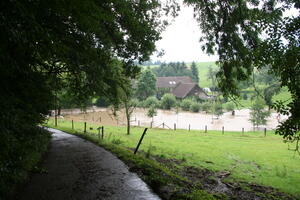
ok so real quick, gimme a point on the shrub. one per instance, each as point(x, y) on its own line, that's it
point(117, 141)
point(230, 106)
point(206, 106)
point(168, 101)
point(195, 107)
point(140, 104)
point(102, 102)
point(151, 102)
point(19, 155)
point(217, 108)
point(186, 104)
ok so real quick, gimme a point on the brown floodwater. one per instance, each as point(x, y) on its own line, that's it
point(168, 118)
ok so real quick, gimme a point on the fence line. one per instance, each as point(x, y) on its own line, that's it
point(164, 125)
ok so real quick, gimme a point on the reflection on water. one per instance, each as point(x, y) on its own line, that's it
point(183, 120)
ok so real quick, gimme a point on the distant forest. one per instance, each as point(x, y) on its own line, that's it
point(176, 69)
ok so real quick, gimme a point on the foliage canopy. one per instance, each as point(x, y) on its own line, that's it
point(248, 34)
point(88, 48)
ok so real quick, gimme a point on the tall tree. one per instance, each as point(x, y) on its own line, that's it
point(212, 76)
point(146, 85)
point(195, 72)
point(234, 29)
point(44, 42)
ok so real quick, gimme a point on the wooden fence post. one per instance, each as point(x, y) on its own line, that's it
point(189, 127)
point(265, 132)
point(205, 129)
point(84, 127)
point(175, 126)
point(243, 131)
point(139, 123)
point(72, 124)
point(138, 145)
point(223, 130)
point(98, 133)
point(163, 124)
point(151, 124)
point(102, 132)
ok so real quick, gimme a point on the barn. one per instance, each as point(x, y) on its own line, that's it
point(180, 86)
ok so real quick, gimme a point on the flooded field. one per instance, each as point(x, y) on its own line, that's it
point(169, 118)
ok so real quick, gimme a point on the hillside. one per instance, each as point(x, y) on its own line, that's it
point(203, 68)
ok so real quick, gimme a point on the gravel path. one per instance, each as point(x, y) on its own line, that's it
point(78, 169)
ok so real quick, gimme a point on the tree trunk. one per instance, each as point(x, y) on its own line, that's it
point(127, 117)
point(128, 125)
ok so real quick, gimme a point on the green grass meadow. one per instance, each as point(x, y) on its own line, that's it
point(203, 68)
point(249, 157)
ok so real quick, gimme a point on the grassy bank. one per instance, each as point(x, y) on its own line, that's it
point(19, 156)
point(251, 157)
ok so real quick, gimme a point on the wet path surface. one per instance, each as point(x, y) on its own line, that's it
point(78, 169)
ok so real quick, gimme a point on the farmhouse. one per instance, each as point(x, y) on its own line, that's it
point(180, 86)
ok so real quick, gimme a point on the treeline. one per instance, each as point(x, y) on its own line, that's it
point(150, 62)
point(177, 69)
point(192, 104)
point(168, 102)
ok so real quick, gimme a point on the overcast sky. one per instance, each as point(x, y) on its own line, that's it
point(180, 40)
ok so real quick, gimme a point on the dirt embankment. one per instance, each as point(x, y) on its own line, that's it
point(216, 183)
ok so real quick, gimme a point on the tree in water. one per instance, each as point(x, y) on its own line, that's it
point(152, 112)
point(258, 115)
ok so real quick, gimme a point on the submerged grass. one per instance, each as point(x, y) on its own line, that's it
point(249, 157)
